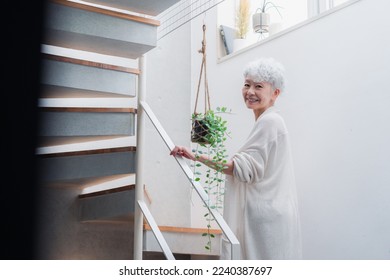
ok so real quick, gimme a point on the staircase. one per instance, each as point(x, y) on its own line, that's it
point(87, 130)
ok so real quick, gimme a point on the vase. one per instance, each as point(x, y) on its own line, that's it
point(239, 43)
point(260, 22)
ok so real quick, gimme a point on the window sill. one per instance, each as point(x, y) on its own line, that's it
point(287, 30)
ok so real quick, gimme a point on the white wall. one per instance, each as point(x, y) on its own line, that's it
point(168, 93)
point(336, 108)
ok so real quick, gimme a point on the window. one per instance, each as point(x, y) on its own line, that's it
point(282, 14)
point(318, 6)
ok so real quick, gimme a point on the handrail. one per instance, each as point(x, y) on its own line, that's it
point(156, 231)
point(235, 245)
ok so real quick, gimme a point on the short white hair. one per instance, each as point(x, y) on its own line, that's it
point(266, 70)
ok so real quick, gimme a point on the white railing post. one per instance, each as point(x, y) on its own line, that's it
point(156, 231)
point(139, 193)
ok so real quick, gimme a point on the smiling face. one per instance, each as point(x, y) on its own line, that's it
point(259, 96)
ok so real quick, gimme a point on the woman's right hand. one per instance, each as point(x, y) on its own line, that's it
point(184, 152)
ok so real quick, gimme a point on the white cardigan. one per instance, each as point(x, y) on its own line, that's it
point(260, 203)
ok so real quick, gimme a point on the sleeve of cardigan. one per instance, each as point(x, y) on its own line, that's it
point(248, 167)
point(250, 162)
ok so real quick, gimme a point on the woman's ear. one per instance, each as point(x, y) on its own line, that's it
point(276, 93)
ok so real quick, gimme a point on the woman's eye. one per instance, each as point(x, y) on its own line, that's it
point(246, 85)
point(259, 86)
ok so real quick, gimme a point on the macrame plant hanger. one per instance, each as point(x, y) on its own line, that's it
point(199, 128)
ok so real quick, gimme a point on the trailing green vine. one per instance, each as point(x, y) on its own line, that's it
point(211, 141)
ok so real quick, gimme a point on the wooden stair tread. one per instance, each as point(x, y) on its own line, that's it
point(107, 11)
point(83, 100)
point(88, 55)
point(52, 91)
point(127, 219)
point(66, 140)
point(90, 63)
point(67, 144)
point(84, 183)
point(108, 191)
point(107, 184)
point(145, 7)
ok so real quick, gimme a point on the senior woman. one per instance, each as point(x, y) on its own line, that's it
point(260, 203)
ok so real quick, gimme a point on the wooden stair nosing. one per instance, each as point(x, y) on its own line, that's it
point(184, 229)
point(107, 11)
point(88, 110)
point(90, 152)
point(91, 63)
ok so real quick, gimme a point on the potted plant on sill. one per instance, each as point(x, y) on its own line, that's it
point(261, 18)
point(242, 24)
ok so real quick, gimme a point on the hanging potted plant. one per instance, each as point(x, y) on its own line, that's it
point(209, 132)
point(206, 125)
point(261, 18)
point(242, 24)
point(200, 129)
